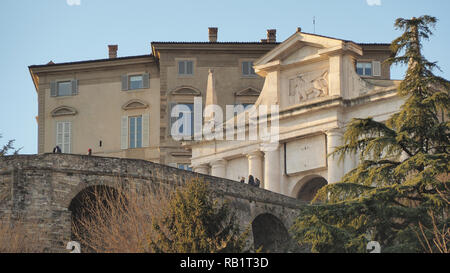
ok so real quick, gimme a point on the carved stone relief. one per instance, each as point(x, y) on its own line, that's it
point(308, 86)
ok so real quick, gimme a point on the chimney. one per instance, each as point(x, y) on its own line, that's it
point(212, 31)
point(271, 35)
point(113, 51)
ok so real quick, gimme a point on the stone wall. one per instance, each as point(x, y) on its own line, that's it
point(40, 188)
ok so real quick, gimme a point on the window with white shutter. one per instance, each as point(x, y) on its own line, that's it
point(124, 133)
point(145, 130)
point(64, 136)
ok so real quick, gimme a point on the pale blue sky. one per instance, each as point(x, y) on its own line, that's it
point(37, 31)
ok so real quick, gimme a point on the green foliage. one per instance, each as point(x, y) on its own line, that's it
point(194, 222)
point(402, 178)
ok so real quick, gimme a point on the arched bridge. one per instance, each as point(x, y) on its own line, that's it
point(42, 187)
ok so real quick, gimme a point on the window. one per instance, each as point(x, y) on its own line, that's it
point(185, 68)
point(136, 82)
point(64, 88)
point(187, 116)
point(64, 136)
point(247, 69)
point(135, 132)
point(364, 68)
point(184, 167)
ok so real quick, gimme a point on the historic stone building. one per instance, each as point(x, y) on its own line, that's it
point(121, 106)
point(319, 85)
point(121, 109)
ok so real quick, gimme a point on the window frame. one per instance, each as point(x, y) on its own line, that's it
point(58, 89)
point(251, 70)
point(185, 67)
point(136, 132)
point(184, 166)
point(364, 63)
point(62, 145)
point(135, 75)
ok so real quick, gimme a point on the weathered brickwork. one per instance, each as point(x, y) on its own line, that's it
point(40, 188)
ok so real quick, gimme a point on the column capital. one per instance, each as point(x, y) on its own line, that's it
point(255, 154)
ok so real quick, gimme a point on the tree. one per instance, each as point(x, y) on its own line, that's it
point(400, 190)
point(9, 146)
point(195, 222)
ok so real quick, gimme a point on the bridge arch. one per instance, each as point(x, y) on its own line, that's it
point(270, 234)
point(87, 202)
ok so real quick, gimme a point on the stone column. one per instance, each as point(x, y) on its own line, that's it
point(335, 168)
point(203, 169)
point(218, 168)
point(255, 165)
point(272, 171)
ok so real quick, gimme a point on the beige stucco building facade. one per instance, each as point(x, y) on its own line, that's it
point(121, 106)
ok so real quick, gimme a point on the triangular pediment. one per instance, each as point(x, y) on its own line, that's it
point(304, 47)
point(249, 91)
point(302, 53)
point(64, 111)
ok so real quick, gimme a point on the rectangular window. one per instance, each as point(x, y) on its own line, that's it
point(185, 68)
point(65, 88)
point(135, 132)
point(64, 136)
point(136, 82)
point(184, 167)
point(364, 68)
point(247, 69)
point(189, 115)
